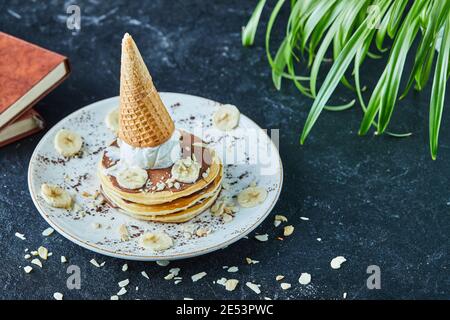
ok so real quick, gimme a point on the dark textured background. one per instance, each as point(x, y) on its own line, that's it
point(374, 200)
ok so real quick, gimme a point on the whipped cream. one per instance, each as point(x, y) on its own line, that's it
point(159, 157)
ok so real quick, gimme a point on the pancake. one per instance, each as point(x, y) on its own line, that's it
point(181, 216)
point(190, 145)
point(177, 205)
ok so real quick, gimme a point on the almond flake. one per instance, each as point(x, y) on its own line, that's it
point(37, 262)
point(227, 218)
point(222, 281)
point(305, 278)
point(233, 269)
point(95, 263)
point(28, 269)
point(122, 291)
point(336, 262)
point(114, 297)
point(250, 261)
point(288, 230)
point(86, 194)
point(43, 252)
point(123, 232)
point(198, 276)
point(279, 277)
point(201, 232)
point(277, 223)
point(63, 259)
point(285, 286)
point(47, 232)
point(254, 287)
point(58, 296)
point(21, 236)
point(27, 256)
point(125, 267)
point(304, 218)
point(231, 284)
point(163, 263)
point(145, 275)
point(124, 283)
point(160, 186)
point(170, 276)
point(262, 237)
point(175, 271)
point(281, 218)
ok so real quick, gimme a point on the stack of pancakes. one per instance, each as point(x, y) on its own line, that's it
point(170, 204)
point(144, 122)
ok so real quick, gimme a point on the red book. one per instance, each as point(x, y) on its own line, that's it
point(27, 74)
point(30, 122)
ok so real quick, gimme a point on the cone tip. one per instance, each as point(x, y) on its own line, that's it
point(126, 38)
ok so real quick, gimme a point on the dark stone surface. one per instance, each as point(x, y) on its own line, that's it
point(375, 200)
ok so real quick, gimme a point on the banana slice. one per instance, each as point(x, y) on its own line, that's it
point(251, 197)
point(156, 241)
point(56, 196)
point(132, 178)
point(186, 170)
point(112, 120)
point(68, 143)
point(226, 118)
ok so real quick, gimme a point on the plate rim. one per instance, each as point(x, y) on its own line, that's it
point(89, 246)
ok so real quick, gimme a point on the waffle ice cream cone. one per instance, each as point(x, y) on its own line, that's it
point(143, 119)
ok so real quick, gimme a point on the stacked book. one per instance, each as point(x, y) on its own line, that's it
point(27, 74)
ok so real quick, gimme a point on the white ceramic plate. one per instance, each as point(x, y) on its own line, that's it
point(247, 152)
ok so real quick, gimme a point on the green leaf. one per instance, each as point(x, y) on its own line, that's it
point(396, 65)
point(384, 97)
point(438, 91)
point(249, 31)
point(338, 70)
point(279, 63)
point(313, 26)
point(425, 52)
point(395, 18)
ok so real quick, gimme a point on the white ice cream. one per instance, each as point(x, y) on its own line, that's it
point(159, 157)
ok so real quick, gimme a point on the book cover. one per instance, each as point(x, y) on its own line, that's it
point(27, 73)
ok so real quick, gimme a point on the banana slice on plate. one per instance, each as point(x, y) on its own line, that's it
point(226, 117)
point(68, 143)
point(156, 241)
point(186, 170)
point(132, 178)
point(112, 120)
point(251, 197)
point(56, 196)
